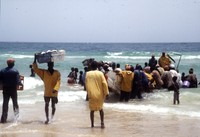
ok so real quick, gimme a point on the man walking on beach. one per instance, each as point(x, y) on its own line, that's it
point(51, 79)
point(97, 89)
point(10, 79)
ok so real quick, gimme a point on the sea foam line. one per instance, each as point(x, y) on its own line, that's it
point(152, 109)
point(148, 57)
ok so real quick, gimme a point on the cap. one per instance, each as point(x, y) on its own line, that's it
point(10, 60)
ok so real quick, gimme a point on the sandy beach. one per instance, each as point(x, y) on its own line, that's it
point(72, 120)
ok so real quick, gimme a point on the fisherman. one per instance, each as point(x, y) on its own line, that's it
point(51, 79)
point(164, 60)
point(148, 80)
point(71, 76)
point(76, 75)
point(156, 76)
point(191, 77)
point(97, 90)
point(137, 86)
point(10, 78)
point(175, 87)
point(126, 83)
point(174, 72)
point(167, 78)
point(152, 62)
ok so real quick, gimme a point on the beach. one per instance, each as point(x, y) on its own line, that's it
point(117, 32)
point(72, 120)
point(153, 116)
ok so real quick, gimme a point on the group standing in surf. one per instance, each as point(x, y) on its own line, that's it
point(131, 81)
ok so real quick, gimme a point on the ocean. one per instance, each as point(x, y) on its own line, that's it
point(154, 106)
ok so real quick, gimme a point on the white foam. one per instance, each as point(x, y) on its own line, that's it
point(131, 107)
point(164, 110)
point(114, 53)
point(27, 101)
point(31, 83)
point(192, 57)
point(17, 56)
point(127, 57)
point(75, 57)
point(71, 96)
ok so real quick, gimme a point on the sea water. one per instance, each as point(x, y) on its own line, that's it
point(187, 55)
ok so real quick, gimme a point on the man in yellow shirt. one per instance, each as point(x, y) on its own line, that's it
point(97, 89)
point(126, 81)
point(51, 79)
point(164, 60)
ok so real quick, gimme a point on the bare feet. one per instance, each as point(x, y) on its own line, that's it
point(47, 121)
point(52, 117)
point(102, 125)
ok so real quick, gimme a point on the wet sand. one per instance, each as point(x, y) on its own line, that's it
point(72, 120)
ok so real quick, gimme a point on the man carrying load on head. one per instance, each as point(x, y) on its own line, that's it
point(51, 79)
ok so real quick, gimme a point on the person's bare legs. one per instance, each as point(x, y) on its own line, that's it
point(174, 98)
point(53, 110)
point(92, 118)
point(47, 112)
point(101, 112)
point(47, 100)
point(178, 98)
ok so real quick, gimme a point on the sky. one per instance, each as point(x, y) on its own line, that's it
point(130, 21)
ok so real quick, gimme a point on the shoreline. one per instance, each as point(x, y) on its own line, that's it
point(72, 119)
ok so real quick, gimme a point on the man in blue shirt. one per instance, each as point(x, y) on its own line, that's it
point(10, 79)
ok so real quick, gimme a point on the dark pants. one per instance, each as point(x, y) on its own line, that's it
point(136, 91)
point(7, 94)
point(124, 96)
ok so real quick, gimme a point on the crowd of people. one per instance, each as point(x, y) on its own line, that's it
point(155, 74)
point(131, 80)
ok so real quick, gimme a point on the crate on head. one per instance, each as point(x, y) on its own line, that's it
point(50, 56)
